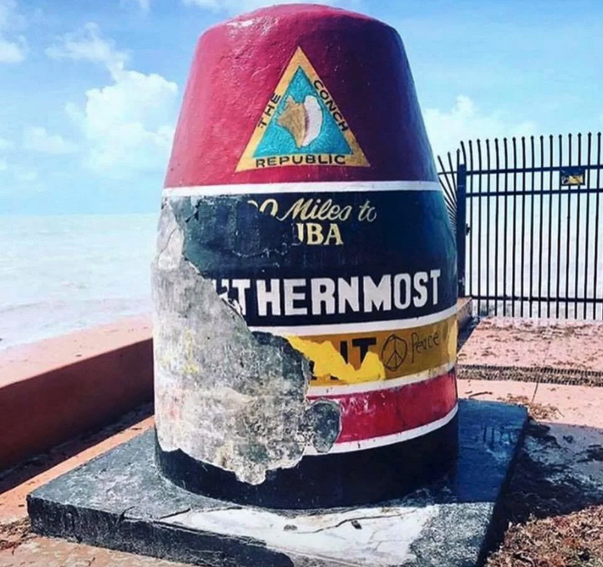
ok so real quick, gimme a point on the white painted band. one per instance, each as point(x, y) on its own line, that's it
point(366, 327)
point(375, 442)
point(391, 383)
point(305, 187)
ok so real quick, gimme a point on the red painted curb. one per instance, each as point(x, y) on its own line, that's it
point(55, 389)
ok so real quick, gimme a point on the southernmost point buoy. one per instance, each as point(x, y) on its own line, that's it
point(305, 279)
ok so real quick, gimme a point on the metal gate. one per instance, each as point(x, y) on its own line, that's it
point(527, 213)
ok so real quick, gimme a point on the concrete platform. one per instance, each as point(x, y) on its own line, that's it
point(119, 501)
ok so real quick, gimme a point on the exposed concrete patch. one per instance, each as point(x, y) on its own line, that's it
point(224, 395)
point(370, 536)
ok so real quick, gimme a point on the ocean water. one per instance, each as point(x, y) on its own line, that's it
point(62, 273)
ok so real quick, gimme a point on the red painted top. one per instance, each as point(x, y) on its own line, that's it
point(368, 93)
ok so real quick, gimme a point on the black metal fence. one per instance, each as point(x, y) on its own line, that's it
point(527, 214)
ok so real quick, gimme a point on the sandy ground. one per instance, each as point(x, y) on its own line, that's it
point(529, 343)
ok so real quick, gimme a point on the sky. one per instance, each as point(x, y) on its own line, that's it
point(90, 90)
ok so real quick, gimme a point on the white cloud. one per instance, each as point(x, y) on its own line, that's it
point(13, 47)
point(128, 124)
point(11, 51)
point(18, 179)
point(38, 139)
point(466, 122)
point(86, 44)
point(241, 6)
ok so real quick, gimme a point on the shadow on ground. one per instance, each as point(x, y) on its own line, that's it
point(554, 501)
point(45, 461)
point(559, 471)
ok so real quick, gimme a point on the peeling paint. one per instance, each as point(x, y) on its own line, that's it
point(328, 362)
point(224, 395)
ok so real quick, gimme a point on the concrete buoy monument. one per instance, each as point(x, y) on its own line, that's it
point(304, 287)
point(305, 328)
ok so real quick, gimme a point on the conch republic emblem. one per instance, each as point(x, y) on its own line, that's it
point(301, 125)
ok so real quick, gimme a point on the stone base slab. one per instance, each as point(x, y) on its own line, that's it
point(120, 501)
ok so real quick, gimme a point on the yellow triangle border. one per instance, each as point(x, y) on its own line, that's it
point(248, 162)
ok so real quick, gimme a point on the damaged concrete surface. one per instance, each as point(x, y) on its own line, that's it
point(224, 395)
point(364, 536)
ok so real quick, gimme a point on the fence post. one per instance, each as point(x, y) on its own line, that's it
point(461, 225)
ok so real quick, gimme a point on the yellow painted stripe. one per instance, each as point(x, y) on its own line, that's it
point(355, 358)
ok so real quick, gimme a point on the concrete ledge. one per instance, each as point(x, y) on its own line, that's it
point(465, 312)
point(52, 390)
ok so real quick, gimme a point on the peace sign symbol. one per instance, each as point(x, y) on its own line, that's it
point(393, 353)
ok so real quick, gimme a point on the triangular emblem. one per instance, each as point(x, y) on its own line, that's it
point(301, 125)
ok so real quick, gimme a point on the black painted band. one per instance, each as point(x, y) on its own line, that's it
point(327, 481)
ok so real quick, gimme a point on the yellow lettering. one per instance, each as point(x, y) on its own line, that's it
point(314, 233)
point(335, 234)
point(269, 203)
point(301, 209)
